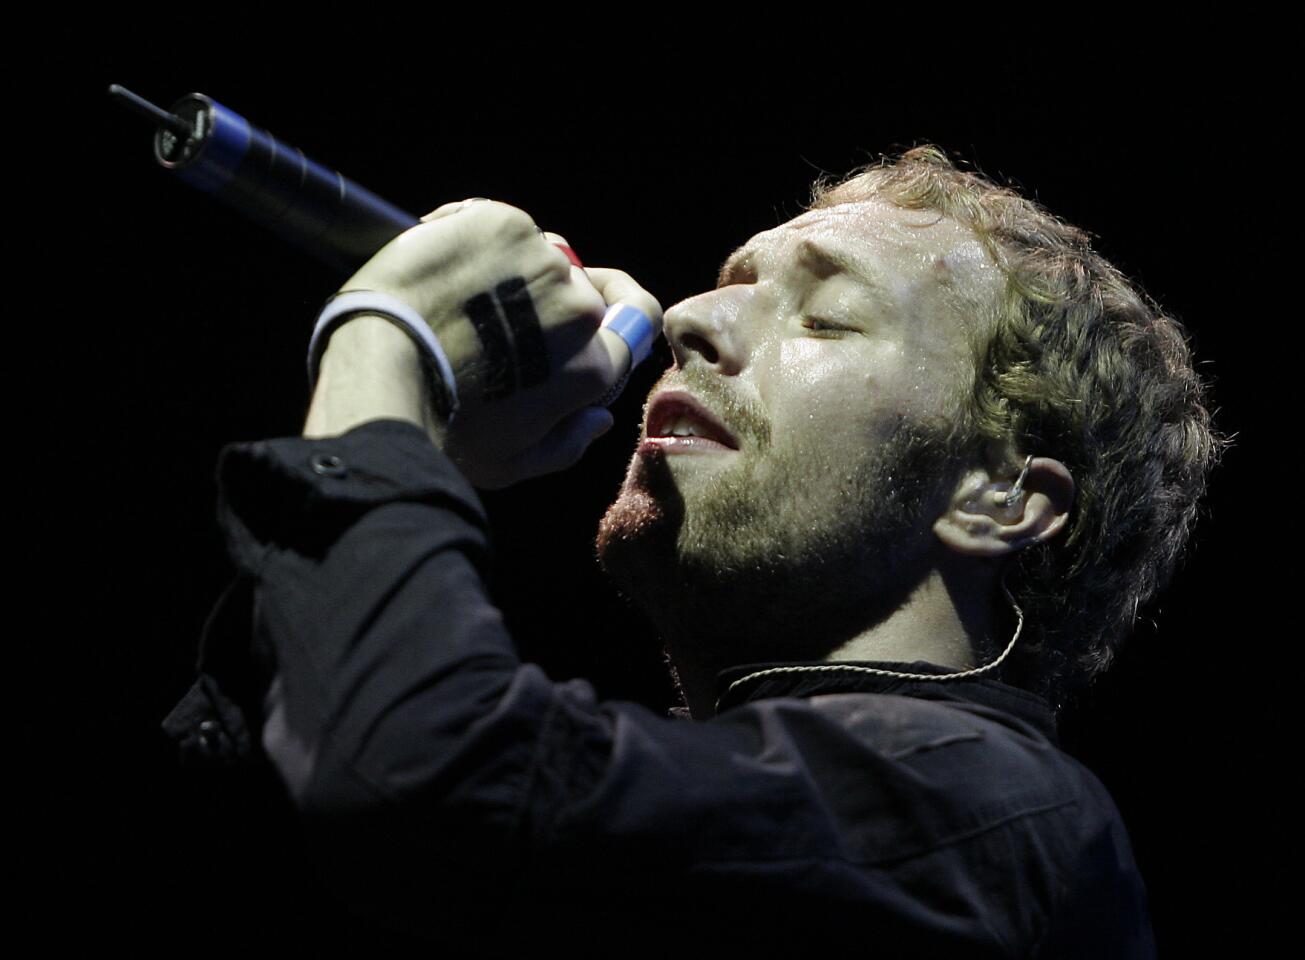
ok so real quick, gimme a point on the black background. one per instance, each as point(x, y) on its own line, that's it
point(661, 159)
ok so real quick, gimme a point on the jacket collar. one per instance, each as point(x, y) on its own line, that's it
point(737, 685)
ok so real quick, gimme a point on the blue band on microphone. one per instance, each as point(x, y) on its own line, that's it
point(633, 326)
point(224, 146)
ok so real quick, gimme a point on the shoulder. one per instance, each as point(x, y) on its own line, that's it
point(904, 775)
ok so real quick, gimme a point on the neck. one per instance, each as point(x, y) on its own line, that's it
point(939, 623)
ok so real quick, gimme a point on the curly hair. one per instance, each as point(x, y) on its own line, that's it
point(1076, 363)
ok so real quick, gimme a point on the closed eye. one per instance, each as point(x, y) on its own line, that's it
point(825, 327)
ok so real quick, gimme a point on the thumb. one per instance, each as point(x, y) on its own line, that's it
point(564, 444)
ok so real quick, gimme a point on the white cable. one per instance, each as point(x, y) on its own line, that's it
point(876, 671)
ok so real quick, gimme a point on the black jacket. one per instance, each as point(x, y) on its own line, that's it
point(447, 783)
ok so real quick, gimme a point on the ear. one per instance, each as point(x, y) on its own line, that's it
point(990, 517)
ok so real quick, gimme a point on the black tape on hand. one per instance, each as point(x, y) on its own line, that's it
point(508, 327)
point(527, 335)
point(500, 376)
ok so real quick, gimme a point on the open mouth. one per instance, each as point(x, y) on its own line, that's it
point(676, 422)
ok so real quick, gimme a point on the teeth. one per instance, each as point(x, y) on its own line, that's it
point(681, 427)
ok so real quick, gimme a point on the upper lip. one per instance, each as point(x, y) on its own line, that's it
point(669, 405)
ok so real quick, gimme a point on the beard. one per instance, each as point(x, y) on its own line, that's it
point(774, 553)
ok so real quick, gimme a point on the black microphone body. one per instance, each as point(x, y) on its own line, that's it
point(315, 208)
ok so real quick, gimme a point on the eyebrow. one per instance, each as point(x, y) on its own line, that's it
point(816, 257)
point(824, 261)
point(731, 266)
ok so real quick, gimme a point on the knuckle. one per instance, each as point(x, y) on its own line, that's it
point(500, 219)
point(515, 220)
point(653, 309)
point(587, 302)
point(556, 265)
point(646, 302)
point(568, 306)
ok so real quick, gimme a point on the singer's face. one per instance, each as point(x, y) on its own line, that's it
point(823, 376)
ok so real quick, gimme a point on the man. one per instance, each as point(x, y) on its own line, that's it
point(921, 456)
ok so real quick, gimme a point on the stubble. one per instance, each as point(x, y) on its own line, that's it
point(777, 552)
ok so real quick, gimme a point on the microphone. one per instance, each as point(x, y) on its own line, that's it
point(314, 207)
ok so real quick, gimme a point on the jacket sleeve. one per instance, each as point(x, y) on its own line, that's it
point(410, 735)
point(438, 774)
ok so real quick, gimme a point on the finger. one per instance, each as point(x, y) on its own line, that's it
point(627, 333)
point(588, 302)
point(523, 420)
point(618, 286)
point(564, 445)
point(584, 378)
point(561, 243)
point(618, 353)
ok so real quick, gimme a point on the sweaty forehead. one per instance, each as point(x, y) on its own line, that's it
point(896, 244)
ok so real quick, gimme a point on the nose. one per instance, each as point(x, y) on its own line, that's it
point(706, 329)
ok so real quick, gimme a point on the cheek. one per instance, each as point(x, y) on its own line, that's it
point(828, 403)
point(858, 389)
point(811, 365)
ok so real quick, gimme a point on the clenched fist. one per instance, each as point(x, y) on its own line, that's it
point(520, 326)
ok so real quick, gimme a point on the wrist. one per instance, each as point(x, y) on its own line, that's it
point(453, 331)
point(371, 370)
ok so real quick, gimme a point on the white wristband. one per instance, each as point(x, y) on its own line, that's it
point(343, 306)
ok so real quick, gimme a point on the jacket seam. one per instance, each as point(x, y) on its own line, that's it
point(950, 841)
